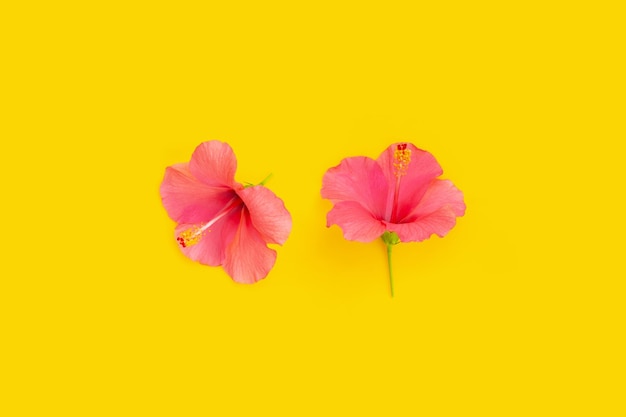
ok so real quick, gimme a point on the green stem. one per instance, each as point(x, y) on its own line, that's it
point(390, 268)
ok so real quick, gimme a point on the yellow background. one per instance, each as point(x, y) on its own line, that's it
point(518, 311)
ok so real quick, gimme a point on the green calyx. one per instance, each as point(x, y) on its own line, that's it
point(390, 238)
point(249, 184)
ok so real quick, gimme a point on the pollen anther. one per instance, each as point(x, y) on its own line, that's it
point(190, 236)
point(401, 160)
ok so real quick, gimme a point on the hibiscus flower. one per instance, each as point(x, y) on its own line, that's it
point(222, 222)
point(396, 197)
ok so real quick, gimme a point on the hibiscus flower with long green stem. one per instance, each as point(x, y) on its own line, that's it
point(397, 198)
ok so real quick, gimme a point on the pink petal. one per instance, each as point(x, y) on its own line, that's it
point(214, 163)
point(421, 170)
point(440, 193)
point(211, 249)
point(248, 259)
point(267, 213)
point(436, 213)
point(439, 222)
point(187, 200)
point(357, 179)
point(356, 222)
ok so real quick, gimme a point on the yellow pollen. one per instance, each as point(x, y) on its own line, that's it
point(190, 236)
point(401, 160)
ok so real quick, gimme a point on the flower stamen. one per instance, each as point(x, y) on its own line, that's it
point(191, 236)
point(401, 161)
point(194, 234)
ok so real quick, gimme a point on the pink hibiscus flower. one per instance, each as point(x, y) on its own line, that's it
point(397, 197)
point(221, 222)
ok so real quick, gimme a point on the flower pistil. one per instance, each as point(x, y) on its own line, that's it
point(194, 234)
point(401, 161)
point(191, 236)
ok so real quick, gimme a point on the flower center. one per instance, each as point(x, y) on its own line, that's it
point(401, 161)
point(194, 234)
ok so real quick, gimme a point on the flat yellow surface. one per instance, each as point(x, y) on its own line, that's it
point(518, 311)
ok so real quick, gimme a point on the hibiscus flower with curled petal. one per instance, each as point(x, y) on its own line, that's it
point(221, 222)
point(397, 197)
